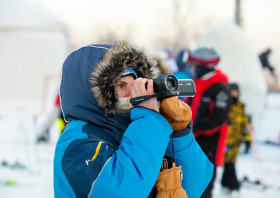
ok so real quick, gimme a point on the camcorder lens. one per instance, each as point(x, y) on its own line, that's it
point(171, 84)
point(167, 85)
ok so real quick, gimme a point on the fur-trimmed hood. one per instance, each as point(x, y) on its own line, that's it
point(109, 70)
point(77, 100)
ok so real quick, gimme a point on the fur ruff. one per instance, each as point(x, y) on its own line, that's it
point(109, 70)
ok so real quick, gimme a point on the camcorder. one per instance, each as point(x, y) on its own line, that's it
point(167, 85)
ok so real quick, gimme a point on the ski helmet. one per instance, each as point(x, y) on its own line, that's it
point(182, 60)
point(204, 56)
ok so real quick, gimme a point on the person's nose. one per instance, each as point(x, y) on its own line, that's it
point(128, 92)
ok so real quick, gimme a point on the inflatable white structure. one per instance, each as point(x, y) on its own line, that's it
point(240, 63)
point(33, 44)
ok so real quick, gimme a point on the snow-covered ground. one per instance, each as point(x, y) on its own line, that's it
point(265, 169)
point(17, 144)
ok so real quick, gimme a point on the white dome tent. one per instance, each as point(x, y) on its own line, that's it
point(33, 44)
point(240, 63)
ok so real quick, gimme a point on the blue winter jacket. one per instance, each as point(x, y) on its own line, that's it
point(100, 155)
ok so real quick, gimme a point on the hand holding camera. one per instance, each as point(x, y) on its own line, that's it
point(139, 90)
point(167, 88)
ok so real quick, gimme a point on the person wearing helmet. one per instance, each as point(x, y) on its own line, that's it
point(111, 149)
point(210, 107)
point(184, 66)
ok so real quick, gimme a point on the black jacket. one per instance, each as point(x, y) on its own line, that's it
point(213, 109)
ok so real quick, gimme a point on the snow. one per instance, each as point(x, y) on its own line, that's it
point(17, 143)
point(265, 169)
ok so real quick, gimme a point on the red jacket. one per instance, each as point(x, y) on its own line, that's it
point(209, 110)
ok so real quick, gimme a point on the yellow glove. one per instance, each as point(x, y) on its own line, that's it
point(169, 183)
point(176, 112)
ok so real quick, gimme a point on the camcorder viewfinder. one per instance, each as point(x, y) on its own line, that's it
point(167, 85)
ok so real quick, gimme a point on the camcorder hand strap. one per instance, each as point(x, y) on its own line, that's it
point(136, 101)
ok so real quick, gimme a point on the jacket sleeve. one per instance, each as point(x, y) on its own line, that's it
point(197, 169)
point(221, 108)
point(132, 169)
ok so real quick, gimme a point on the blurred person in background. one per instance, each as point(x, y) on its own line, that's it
point(56, 116)
point(184, 66)
point(265, 62)
point(271, 75)
point(171, 60)
point(210, 107)
point(237, 130)
point(111, 149)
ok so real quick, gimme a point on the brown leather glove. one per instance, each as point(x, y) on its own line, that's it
point(176, 112)
point(169, 184)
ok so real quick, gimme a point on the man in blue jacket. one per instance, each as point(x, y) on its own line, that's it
point(108, 148)
point(184, 71)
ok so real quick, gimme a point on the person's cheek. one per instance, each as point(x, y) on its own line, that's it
point(120, 94)
point(128, 91)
